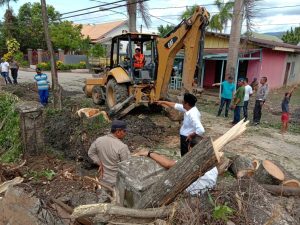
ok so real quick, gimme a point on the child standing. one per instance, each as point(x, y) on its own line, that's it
point(285, 110)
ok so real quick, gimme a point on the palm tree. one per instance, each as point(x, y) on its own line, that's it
point(220, 20)
point(8, 18)
point(134, 6)
point(189, 11)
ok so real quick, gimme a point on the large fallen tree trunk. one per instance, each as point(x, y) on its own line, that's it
point(268, 173)
point(281, 190)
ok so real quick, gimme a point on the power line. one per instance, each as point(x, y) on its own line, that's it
point(105, 9)
point(80, 10)
point(96, 17)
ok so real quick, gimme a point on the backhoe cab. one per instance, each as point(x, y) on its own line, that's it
point(141, 65)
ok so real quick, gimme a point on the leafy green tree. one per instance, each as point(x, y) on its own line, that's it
point(220, 20)
point(292, 36)
point(67, 36)
point(97, 50)
point(162, 31)
point(30, 25)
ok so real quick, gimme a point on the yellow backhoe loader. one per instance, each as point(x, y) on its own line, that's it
point(124, 86)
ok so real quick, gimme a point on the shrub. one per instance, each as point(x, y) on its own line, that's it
point(44, 66)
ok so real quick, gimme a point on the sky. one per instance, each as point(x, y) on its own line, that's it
point(270, 15)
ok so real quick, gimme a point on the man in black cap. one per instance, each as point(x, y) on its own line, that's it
point(191, 126)
point(107, 151)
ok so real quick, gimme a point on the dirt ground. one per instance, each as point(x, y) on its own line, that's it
point(68, 138)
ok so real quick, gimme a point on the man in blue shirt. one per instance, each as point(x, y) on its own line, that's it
point(227, 92)
point(42, 86)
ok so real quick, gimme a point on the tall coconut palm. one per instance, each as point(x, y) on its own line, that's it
point(134, 6)
point(220, 20)
point(189, 11)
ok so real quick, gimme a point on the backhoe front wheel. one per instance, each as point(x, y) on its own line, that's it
point(97, 95)
point(115, 93)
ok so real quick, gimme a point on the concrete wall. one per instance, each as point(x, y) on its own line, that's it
point(210, 71)
point(74, 59)
point(253, 69)
point(294, 73)
point(273, 67)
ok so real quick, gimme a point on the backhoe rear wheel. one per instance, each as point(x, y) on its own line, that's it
point(115, 93)
point(97, 97)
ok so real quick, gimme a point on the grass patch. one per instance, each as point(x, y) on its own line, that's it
point(10, 141)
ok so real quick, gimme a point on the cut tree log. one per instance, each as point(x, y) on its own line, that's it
point(223, 165)
point(107, 211)
point(194, 164)
point(242, 166)
point(281, 190)
point(291, 183)
point(268, 173)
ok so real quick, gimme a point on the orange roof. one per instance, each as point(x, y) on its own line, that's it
point(95, 31)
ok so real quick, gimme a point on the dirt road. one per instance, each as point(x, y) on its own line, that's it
point(69, 81)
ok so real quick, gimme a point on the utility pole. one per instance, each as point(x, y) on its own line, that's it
point(141, 30)
point(56, 89)
point(234, 40)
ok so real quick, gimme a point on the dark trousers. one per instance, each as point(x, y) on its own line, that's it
point(6, 77)
point(237, 114)
point(44, 94)
point(257, 112)
point(14, 74)
point(184, 145)
point(245, 109)
point(223, 102)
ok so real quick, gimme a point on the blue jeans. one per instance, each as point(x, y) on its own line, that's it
point(237, 114)
point(44, 94)
point(6, 77)
point(224, 101)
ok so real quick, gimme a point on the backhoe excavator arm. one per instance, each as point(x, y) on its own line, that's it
point(187, 34)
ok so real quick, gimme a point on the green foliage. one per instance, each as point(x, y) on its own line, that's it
point(219, 21)
point(292, 36)
point(37, 175)
point(221, 211)
point(62, 67)
point(67, 36)
point(189, 11)
point(13, 45)
point(30, 25)
point(97, 50)
point(10, 131)
point(163, 31)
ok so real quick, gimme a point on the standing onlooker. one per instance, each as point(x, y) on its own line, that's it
point(254, 84)
point(42, 85)
point(260, 99)
point(285, 110)
point(14, 67)
point(227, 91)
point(238, 101)
point(5, 71)
point(248, 93)
point(191, 127)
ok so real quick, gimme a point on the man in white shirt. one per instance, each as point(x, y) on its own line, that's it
point(191, 126)
point(5, 70)
point(248, 93)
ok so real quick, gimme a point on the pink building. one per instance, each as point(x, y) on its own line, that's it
point(258, 57)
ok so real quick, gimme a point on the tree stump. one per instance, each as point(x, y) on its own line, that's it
point(291, 183)
point(242, 166)
point(268, 173)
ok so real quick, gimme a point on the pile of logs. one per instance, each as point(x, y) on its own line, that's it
point(272, 176)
